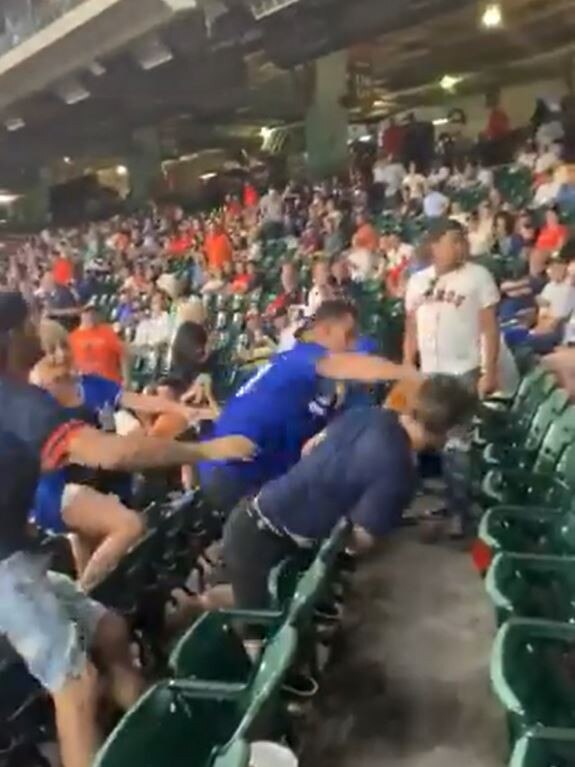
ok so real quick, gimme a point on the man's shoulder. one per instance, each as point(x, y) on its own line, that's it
point(421, 277)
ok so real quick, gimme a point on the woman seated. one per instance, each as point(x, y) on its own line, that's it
point(91, 505)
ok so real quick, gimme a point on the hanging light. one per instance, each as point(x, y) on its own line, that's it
point(492, 17)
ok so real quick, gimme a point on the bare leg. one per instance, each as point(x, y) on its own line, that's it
point(103, 519)
point(111, 648)
point(76, 719)
point(81, 551)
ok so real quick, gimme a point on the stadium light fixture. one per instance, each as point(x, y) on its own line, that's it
point(152, 53)
point(448, 82)
point(492, 17)
point(7, 198)
point(72, 91)
point(68, 160)
point(121, 170)
point(14, 124)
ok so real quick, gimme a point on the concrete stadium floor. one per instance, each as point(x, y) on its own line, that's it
point(409, 685)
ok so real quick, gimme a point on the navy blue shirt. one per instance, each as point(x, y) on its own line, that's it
point(364, 470)
point(282, 406)
point(19, 470)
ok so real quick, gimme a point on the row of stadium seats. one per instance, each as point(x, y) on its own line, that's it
point(214, 699)
point(527, 450)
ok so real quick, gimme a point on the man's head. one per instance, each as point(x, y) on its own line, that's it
point(288, 277)
point(333, 326)
point(449, 245)
point(89, 316)
point(321, 273)
point(557, 268)
point(441, 403)
point(20, 346)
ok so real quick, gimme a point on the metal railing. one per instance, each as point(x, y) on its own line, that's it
point(25, 18)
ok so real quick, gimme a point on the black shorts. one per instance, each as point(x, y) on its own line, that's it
point(251, 551)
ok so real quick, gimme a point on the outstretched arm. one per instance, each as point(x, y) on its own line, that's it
point(363, 368)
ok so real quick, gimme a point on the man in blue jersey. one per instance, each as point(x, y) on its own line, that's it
point(363, 469)
point(290, 400)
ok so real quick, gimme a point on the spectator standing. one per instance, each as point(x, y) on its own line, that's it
point(218, 247)
point(272, 214)
point(96, 348)
point(451, 312)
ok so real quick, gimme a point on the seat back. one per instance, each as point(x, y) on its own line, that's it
point(335, 544)
point(565, 469)
point(560, 435)
point(212, 650)
point(545, 747)
point(265, 690)
point(309, 591)
point(532, 670)
point(529, 386)
point(237, 754)
point(164, 728)
point(546, 414)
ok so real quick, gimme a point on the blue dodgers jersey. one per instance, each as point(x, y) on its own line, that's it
point(282, 406)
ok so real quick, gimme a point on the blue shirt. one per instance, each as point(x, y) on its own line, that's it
point(100, 400)
point(364, 470)
point(282, 406)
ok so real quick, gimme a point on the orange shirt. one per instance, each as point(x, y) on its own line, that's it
point(218, 250)
point(366, 238)
point(97, 351)
point(62, 271)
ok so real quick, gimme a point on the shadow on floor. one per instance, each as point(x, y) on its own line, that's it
point(409, 682)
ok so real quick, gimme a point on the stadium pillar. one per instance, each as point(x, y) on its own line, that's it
point(33, 209)
point(144, 165)
point(326, 119)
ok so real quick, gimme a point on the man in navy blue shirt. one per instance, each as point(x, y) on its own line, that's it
point(363, 469)
point(290, 400)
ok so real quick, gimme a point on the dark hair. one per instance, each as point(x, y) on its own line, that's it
point(441, 226)
point(443, 402)
point(508, 219)
point(188, 351)
point(567, 252)
point(334, 309)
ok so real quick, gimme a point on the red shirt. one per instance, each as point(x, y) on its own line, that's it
point(62, 271)
point(551, 237)
point(498, 124)
point(251, 197)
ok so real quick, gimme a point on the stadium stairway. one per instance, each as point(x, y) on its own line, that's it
point(409, 686)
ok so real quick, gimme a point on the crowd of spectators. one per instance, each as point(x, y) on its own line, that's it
point(478, 259)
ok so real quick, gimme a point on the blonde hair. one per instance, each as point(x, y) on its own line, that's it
point(52, 336)
point(191, 310)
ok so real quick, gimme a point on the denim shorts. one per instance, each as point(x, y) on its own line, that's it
point(46, 618)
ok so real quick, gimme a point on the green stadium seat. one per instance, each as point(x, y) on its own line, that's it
point(499, 416)
point(547, 529)
point(529, 586)
point(532, 672)
point(188, 723)
point(237, 754)
point(523, 469)
point(544, 747)
point(522, 455)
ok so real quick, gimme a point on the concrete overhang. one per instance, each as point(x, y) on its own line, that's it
point(88, 32)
